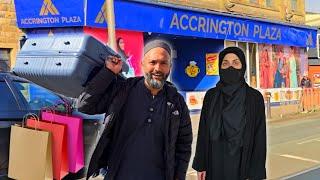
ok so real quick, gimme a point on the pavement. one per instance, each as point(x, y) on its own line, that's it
point(293, 147)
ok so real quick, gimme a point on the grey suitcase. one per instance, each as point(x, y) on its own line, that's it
point(64, 64)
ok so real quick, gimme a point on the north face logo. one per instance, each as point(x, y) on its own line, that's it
point(48, 7)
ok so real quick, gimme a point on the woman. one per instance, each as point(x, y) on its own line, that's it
point(265, 69)
point(279, 80)
point(127, 69)
point(293, 69)
point(232, 131)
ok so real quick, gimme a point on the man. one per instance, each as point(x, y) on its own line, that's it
point(148, 134)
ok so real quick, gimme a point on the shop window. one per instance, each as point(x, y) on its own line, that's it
point(253, 64)
point(4, 59)
point(230, 43)
point(243, 46)
point(294, 4)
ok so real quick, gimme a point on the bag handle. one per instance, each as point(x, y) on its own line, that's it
point(66, 105)
point(33, 115)
point(50, 110)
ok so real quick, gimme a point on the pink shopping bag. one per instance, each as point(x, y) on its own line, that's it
point(74, 136)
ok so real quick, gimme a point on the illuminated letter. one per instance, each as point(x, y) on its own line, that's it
point(181, 22)
point(190, 23)
point(174, 21)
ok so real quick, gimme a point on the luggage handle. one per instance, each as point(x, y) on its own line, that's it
point(104, 56)
point(67, 42)
point(26, 63)
point(58, 64)
point(34, 44)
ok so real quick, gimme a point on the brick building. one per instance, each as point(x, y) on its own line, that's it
point(9, 35)
point(292, 11)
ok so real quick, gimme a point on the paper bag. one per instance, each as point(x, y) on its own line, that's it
point(30, 156)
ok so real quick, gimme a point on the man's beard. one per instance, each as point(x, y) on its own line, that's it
point(153, 83)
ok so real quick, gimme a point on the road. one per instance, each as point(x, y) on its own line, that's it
point(293, 149)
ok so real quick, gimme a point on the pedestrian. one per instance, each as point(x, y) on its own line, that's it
point(305, 82)
point(149, 133)
point(232, 131)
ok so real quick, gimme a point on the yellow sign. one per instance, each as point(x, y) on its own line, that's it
point(212, 65)
point(192, 70)
point(102, 16)
point(48, 7)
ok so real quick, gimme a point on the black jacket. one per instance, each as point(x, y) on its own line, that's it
point(253, 157)
point(107, 93)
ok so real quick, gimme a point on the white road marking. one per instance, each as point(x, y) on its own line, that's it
point(309, 140)
point(299, 158)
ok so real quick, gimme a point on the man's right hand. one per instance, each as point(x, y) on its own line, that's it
point(201, 175)
point(114, 64)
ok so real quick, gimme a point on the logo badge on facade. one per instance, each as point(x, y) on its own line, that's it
point(192, 70)
point(48, 7)
point(102, 15)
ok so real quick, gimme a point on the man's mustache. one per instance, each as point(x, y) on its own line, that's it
point(158, 74)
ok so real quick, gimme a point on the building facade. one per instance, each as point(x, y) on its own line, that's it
point(275, 49)
point(273, 67)
point(292, 11)
point(9, 35)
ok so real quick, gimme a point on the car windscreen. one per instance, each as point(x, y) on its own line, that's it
point(7, 100)
point(36, 96)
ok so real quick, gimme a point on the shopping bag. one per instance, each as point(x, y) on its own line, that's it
point(30, 155)
point(59, 145)
point(74, 137)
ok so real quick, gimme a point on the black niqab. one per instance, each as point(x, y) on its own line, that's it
point(228, 111)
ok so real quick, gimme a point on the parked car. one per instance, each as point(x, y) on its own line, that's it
point(18, 97)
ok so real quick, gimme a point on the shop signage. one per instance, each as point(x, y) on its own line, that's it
point(146, 17)
point(152, 18)
point(49, 13)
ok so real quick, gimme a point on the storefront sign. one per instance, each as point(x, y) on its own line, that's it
point(212, 64)
point(152, 18)
point(159, 19)
point(49, 13)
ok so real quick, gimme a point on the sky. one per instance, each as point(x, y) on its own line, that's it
point(312, 6)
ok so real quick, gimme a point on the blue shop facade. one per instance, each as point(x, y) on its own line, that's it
point(196, 37)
